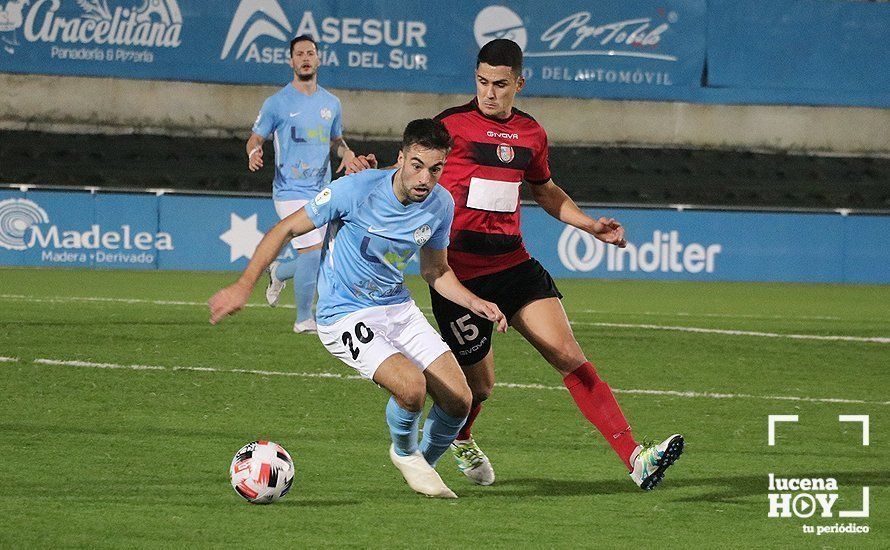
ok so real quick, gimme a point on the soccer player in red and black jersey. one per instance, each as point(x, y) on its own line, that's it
point(496, 148)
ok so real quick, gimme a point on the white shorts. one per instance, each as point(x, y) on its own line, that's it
point(366, 338)
point(314, 237)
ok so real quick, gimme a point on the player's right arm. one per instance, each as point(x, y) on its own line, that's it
point(255, 152)
point(265, 123)
point(232, 298)
point(437, 273)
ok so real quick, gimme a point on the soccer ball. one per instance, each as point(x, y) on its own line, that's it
point(262, 472)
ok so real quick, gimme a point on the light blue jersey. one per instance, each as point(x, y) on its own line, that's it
point(303, 127)
point(371, 238)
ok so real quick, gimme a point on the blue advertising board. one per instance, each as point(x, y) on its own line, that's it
point(180, 232)
point(420, 46)
point(622, 49)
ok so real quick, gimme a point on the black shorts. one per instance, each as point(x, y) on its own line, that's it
point(467, 334)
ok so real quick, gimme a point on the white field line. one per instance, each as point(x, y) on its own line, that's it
point(9, 359)
point(874, 340)
point(79, 299)
point(702, 330)
point(715, 315)
point(76, 299)
point(329, 375)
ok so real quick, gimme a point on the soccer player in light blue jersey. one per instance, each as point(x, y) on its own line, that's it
point(379, 219)
point(306, 123)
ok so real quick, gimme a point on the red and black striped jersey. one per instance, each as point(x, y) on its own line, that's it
point(483, 172)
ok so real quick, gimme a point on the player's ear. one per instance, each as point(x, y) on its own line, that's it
point(401, 158)
point(520, 82)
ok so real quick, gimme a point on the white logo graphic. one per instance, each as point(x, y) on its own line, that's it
point(294, 114)
point(808, 497)
point(664, 253)
point(10, 21)
point(326, 113)
point(253, 19)
point(375, 230)
point(24, 225)
point(422, 234)
point(242, 237)
point(502, 135)
point(575, 35)
point(323, 197)
point(16, 217)
point(499, 22)
point(505, 153)
point(154, 23)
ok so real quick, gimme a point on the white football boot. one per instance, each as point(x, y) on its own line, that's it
point(273, 291)
point(306, 327)
point(650, 461)
point(472, 461)
point(420, 475)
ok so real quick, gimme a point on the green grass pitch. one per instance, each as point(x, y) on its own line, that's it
point(123, 457)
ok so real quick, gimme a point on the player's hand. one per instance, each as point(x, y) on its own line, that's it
point(609, 231)
point(348, 157)
point(255, 160)
point(228, 301)
point(491, 312)
point(361, 162)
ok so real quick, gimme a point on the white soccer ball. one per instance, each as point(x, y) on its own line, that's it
point(262, 472)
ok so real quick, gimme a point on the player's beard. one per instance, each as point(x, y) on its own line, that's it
point(306, 77)
point(407, 190)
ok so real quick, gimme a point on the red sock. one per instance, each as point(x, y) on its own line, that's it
point(595, 399)
point(465, 431)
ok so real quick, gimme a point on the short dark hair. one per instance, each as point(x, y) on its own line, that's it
point(501, 52)
point(302, 38)
point(428, 133)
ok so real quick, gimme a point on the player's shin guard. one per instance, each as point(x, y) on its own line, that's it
point(439, 431)
point(597, 402)
point(403, 427)
point(464, 432)
point(304, 283)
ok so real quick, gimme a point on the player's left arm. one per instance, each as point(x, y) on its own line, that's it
point(437, 273)
point(338, 144)
point(342, 150)
point(558, 204)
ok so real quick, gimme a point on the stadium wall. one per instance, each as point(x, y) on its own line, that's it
point(105, 105)
point(203, 232)
point(797, 75)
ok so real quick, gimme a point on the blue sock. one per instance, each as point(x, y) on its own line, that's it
point(439, 431)
point(305, 276)
point(403, 427)
point(286, 270)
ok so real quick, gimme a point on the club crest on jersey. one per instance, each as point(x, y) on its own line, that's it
point(323, 197)
point(422, 234)
point(505, 153)
point(326, 113)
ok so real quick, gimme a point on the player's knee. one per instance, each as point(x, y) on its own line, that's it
point(481, 392)
point(462, 402)
point(566, 357)
point(412, 396)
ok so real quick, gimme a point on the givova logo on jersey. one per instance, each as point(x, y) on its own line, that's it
point(581, 251)
point(145, 23)
point(25, 225)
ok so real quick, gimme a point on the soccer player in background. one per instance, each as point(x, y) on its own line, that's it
point(496, 148)
point(306, 122)
point(379, 219)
